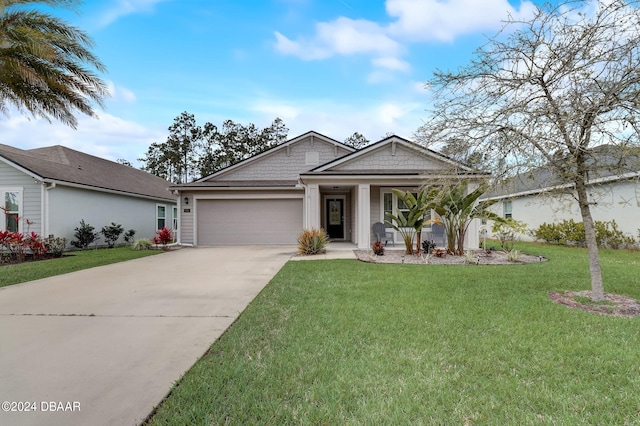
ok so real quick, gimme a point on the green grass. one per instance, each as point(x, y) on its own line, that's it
point(343, 342)
point(73, 261)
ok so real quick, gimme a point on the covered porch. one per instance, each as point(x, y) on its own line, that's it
point(347, 210)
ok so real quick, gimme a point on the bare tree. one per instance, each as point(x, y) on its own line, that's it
point(544, 93)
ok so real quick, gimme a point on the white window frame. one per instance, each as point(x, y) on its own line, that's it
point(507, 209)
point(3, 192)
point(174, 217)
point(395, 208)
point(158, 217)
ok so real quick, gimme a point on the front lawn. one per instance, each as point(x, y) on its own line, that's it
point(73, 261)
point(344, 342)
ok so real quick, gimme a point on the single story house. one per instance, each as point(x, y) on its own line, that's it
point(311, 181)
point(540, 196)
point(50, 190)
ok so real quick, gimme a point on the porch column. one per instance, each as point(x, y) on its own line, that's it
point(312, 206)
point(363, 215)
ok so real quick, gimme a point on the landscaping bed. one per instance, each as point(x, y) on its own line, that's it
point(478, 257)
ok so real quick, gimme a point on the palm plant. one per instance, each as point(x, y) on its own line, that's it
point(44, 64)
point(457, 209)
point(410, 225)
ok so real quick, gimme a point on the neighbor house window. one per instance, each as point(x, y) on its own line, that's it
point(506, 205)
point(161, 216)
point(11, 209)
point(174, 217)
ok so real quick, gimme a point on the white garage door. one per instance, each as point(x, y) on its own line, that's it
point(241, 222)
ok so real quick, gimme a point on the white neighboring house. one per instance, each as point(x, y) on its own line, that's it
point(49, 190)
point(538, 197)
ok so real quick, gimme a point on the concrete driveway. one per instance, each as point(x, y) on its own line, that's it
point(103, 346)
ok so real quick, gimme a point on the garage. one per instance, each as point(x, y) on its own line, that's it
point(249, 221)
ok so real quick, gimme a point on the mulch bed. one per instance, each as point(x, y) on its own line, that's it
point(617, 305)
point(480, 257)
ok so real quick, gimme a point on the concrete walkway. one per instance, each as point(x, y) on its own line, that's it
point(103, 346)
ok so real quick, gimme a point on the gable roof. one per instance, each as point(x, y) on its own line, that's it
point(282, 146)
point(423, 155)
point(68, 166)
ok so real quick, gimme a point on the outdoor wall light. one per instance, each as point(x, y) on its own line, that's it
point(186, 200)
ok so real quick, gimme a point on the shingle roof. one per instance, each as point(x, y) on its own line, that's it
point(605, 162)
point(62, 164)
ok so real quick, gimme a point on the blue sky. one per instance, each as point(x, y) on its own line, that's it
point(333, 66)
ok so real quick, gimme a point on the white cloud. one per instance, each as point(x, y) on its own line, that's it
point(126, 7)
point(120, 93)
point(343, 36)
point(108, 137)
point(412, 21)
point(444, 20)
point(339, 120)
point(391, 63)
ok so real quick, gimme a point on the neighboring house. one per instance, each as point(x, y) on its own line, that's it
point(49, 190)
point(310, 181)
point(541, 197)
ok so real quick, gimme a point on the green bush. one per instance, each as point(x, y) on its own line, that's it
point(569, 231)
point(56, 245)
point(128, 236)
point(142, 244)
point(111, 233)
point(84, 235)
point(312, 241)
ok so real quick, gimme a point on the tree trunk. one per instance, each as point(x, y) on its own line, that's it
point(597, 287)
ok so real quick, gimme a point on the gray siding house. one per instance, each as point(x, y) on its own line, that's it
point(49, 190)
point(310, 181)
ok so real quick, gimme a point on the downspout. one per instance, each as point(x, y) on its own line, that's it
point(46, 208)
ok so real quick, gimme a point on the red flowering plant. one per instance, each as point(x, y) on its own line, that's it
point(163, 236)
point(35, 244)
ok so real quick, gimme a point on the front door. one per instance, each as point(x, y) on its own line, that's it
point(335, 218)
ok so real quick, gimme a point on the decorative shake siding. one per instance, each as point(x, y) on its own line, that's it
point(286, 163)
point(388, 158)
point(10, 178)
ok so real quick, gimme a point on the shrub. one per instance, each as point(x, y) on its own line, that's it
point(508, 232)
point(312, 241)
point(35, 244)
point(128, 236)
point(608, 235)
point(111, 233)
point(56, 245)
point(569, 231)
point(378, 248)
point(163, 236)
point(143, 244)
point(84, 235)
point(550, 233)
point(428, 246)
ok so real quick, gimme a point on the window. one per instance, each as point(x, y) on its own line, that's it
point(175, 218)
point(161, 216)
point(506, 205)
point(402, 207)
point(11, 204)
point(389, 200)
point(387, 206)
